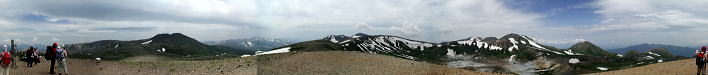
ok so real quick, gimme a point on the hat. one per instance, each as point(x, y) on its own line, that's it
point(4, 47)
point(703, 48)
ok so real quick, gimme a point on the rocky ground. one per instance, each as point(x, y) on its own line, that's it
point(344, 62)
point(293, 63)
point(235, 66)
point(678, 67)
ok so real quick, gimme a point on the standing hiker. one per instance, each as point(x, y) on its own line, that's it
point(29, 58)
point(51, 52)
point(60, 58)
point(701, 61)
point(5, 61)
point(35, 55)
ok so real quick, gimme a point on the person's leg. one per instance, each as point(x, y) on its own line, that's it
point(65, 67)
point(51, 66)
point(7, 71)
point(703, 69)
point(59, 67)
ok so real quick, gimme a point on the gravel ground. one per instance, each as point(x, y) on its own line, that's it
point(348, 63)
point(679, 67)
point(235, 66)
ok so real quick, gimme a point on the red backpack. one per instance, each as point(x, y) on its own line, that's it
point(700, 55)
point(6, 58)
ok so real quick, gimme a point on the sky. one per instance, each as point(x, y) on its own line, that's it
point(560, 23)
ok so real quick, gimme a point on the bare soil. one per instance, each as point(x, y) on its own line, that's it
point(348, 63)
point(235, 66)
point(678, 67)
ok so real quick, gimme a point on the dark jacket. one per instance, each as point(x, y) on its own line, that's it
point(49, 54)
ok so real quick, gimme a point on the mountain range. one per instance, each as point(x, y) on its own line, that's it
point(512, 53)
point(675, 50)
point(172, 45)
point(253, 43)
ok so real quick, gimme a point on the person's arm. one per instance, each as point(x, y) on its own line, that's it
point(65, 53)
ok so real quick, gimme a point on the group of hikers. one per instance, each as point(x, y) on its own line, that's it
point(55, 54)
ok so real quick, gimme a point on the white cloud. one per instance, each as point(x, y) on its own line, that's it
point(652, 15)
point(226, 19)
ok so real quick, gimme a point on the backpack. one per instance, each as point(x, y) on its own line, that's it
point(59, 54)
point(699, 55)
point(6, 58)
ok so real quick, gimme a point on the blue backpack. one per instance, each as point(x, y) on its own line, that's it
point(60, 54)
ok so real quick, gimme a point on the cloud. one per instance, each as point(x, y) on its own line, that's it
point(627, 22)
point(294, 19)
point(127, 29)
point(652, 15)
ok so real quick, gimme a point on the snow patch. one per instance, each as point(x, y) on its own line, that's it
point(98, 58)
point(248, 44)
point(660, 61)
point(116, 46)
point(654, 54)
point(533, 43)
point(147, 42)
point(649, 57)
point(570, 52)
point(573, 60)
point(511, 58)
point(450, 52)
point(619, 55)
point(281, 50)
point(333, 40)
point(245, 55)
point(602, 68)
point(356, 36)
point(161, 50)
point(513, 41)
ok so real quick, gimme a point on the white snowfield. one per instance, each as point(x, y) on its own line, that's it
point(450, 52)
point(161, 50)
point(654, 54)
point(570, 52)
point(649, 57)
point(573, 61)
point(147, 42)
point(513, 41)
point(602, 68)
point(281, 50)
point(245, 55)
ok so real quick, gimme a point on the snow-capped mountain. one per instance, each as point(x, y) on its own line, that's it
point(471, 53)
point(512, 53)
point(336, 38)
point(174, 45)
point(253, 43)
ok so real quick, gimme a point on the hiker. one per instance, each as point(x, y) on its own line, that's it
point(5, 61)
point(701, 61)
point(49, 55)
point(60, 58)
point(29, 58)
point(35, 55)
